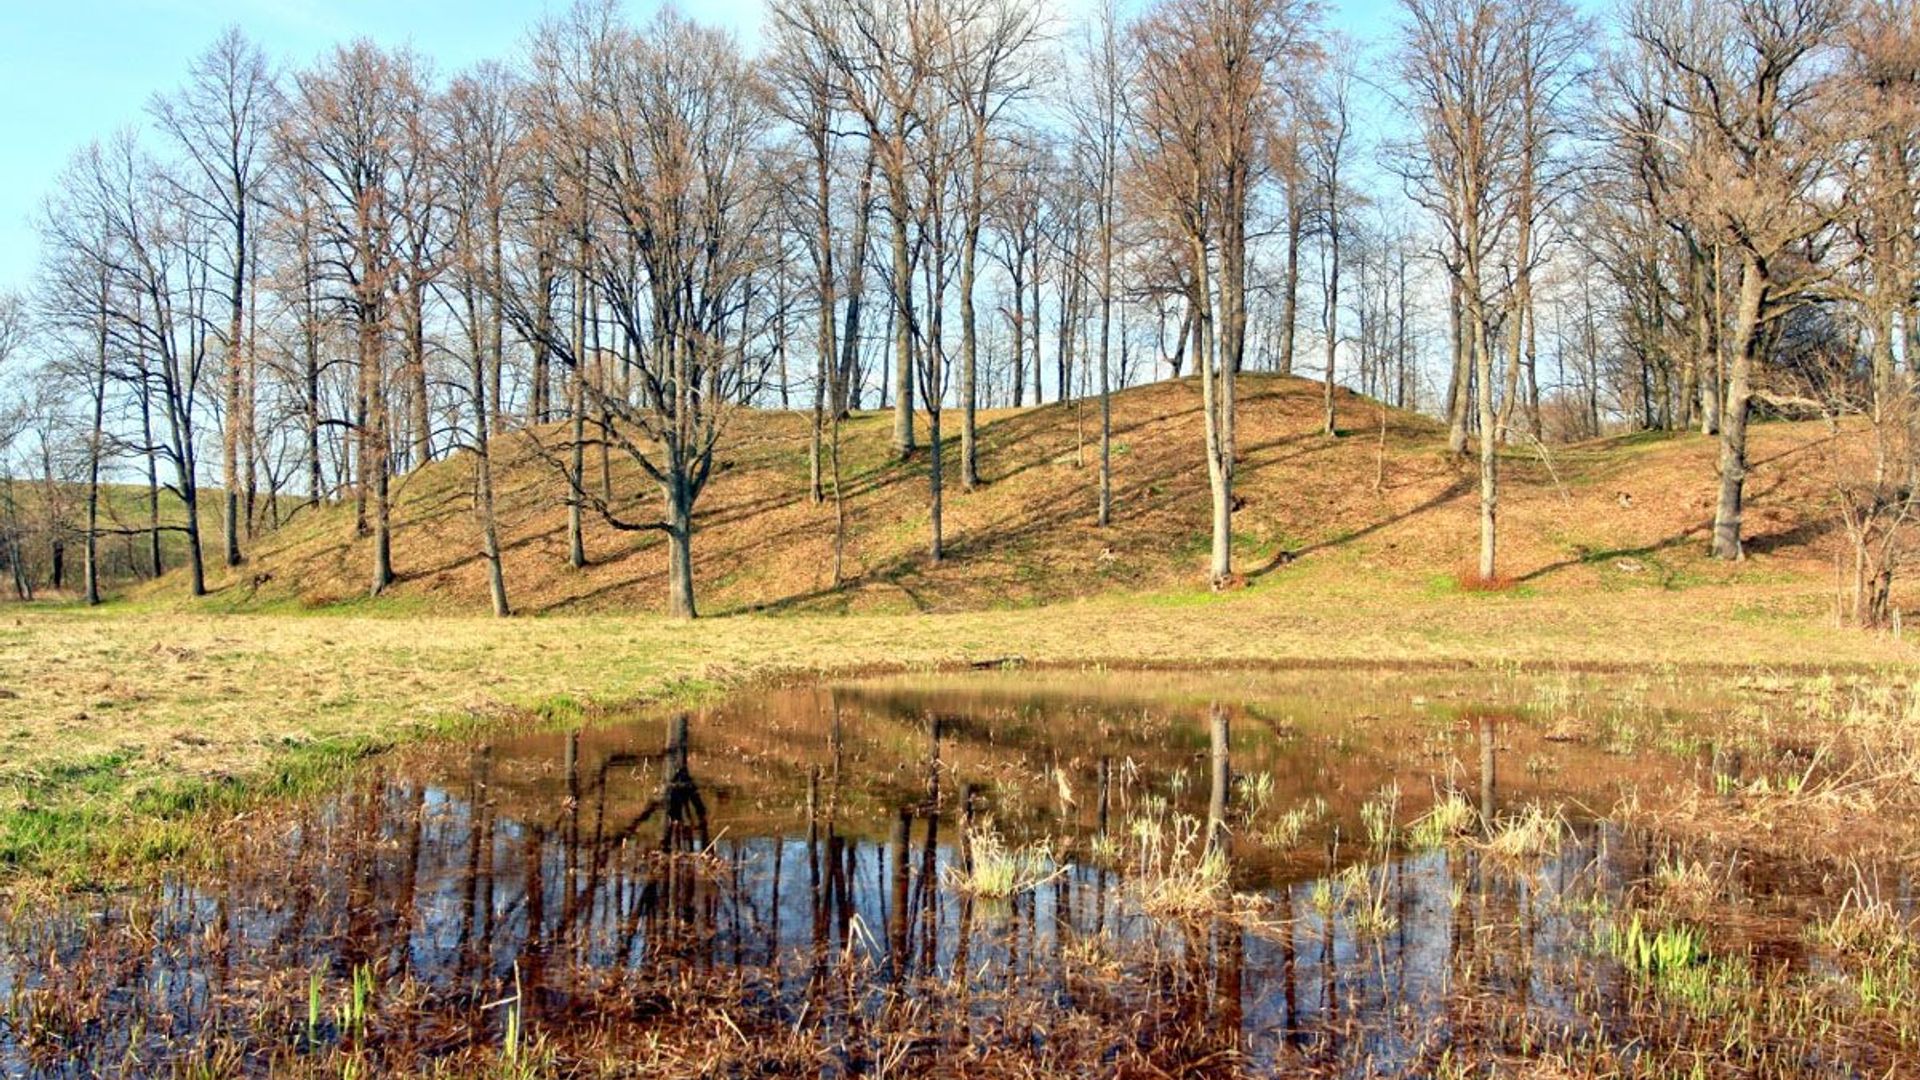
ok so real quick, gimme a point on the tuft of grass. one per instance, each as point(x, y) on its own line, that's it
point(1686, 885)
point(1533, 833)
point(996, 870)
point(1451, 818)
point(1377, 816)
point(1865, 926)
point(1368, 907)
point(1286, 830)
point(1176, 873)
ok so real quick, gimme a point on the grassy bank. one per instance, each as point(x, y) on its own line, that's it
point(127, 731)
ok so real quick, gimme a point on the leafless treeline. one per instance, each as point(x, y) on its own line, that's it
point(294, 287)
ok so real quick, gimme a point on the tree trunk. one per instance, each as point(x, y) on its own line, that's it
point(196, 562)
point(489, 522)
point(1219, 472)
point(1290, 295)
point(539, 399)
point(153, 480)
point(1713, 363)
point(1063, 338)
point(484, 411)
point(310, 362)
point(846, 384)
point(680, 603)
point(1733, 419)
point(577, 415)
point(576, 472)
point(903, 334)
point(1039, 361)
point(969, 391)
point(936, 548)
point(1489, 441)
point(235, 416)
point(422, 412)
point(373, 447)
point(1332, 326)
point(1461, 380)
point(95, 438)
point(1221, 780)
point(1105, 516)
point(1016, 267)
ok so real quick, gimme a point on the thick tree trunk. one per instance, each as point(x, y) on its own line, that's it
point(1733, 419)
point(1221, 780)
point(373, 449)
point(1063, 338)
point(539, 399)
point(680, 603)
point(310, 363)
point(1219, 470)
point(196, 561)
point(1039, 361)
point(489, 522)
point(155, 561)
point(249, 428)
point(484, 411)
point(826, 397)
point(847, 382)
point(1105, 516)
point(577, 416)
point(95, 441)
point(936, 542)
point(576, 473)
point(422, 413)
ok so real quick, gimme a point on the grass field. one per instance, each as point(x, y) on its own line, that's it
point(119, 725)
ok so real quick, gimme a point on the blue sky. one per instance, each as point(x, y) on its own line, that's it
point(76, 70)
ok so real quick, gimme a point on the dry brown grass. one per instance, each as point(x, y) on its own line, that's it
point(1628, 513)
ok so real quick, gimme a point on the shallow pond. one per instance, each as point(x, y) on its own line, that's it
point(1336, 872)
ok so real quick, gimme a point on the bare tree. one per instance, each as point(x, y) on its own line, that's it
point(680, 184)
point(1209, 100)
point(883, 54)
point(1457, 76)
point(1745, 79)
point(346, 131)
point(1330, 131)
point(988, 74)
point(221, 121)
point(482, 139)
point(1099, 122)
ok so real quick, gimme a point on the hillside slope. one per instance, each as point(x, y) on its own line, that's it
point(1621, 513)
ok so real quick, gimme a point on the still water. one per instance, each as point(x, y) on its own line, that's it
point(783, 882)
